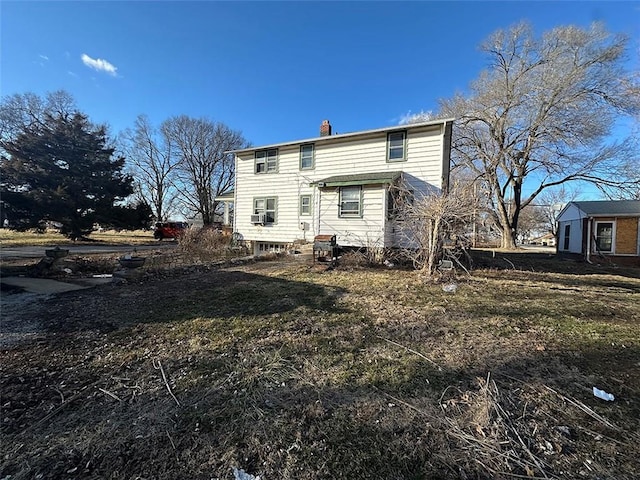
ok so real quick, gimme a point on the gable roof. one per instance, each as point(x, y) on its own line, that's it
point(609, 207)
point(358, 179)
point(396, 128)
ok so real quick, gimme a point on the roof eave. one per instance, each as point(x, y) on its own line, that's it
point(382, 180)
point(410, 126)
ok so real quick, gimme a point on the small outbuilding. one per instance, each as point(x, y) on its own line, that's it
point(607, 228)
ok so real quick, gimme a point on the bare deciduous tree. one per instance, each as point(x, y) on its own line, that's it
point(532, 223)
point(204, 169)
point(552, 201)
point(153, 164)
point(28, 109)
point(542, 115)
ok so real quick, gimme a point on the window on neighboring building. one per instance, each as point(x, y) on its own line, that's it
point(396, 147)
point(307, 157)
point(604, 236)
point(350, 201)
point(266, 161)
point(305, 204)
point(266, 206)
point(567, 232)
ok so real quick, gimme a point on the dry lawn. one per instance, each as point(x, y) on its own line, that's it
point(11, 238)
point(293, 372)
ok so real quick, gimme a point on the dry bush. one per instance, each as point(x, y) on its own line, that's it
point(203, 244)
point(433, 220)
point(354, 258)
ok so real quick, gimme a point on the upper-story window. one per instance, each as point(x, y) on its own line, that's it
point(266, 161)
point(307, 161)
point(396, 147)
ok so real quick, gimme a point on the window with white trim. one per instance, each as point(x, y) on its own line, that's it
point(307, 160)
point(266, 206)
point(350, 201)
point(305, 204)
point(266, 161)
point(604, 236)
point(396, 147)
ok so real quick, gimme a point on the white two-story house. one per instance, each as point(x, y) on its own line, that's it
point(336, 184)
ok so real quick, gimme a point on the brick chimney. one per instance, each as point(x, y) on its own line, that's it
point(325, 128)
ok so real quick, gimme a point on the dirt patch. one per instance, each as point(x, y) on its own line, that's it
point(293, 372)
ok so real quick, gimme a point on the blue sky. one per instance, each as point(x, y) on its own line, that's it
point(273, 70)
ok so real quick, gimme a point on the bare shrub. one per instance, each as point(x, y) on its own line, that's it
point(354, 258)
point(434, 225)
point(203, 244)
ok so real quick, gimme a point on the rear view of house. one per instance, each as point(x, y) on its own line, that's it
point(336, 184)
point(601, 228)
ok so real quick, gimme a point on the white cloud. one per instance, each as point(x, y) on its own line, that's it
point(99, 64)
point(71, 73)
point(421, 116)
point(44, 57)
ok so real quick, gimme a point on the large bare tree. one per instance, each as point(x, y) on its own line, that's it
point(23, 110)
point(204, 168)
point(153, 164)
point(552, 201)
point(542, 115)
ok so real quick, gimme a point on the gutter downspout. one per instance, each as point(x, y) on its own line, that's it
point(319, 208)
point(588, 240)
point(235, 195)
point(447, 132)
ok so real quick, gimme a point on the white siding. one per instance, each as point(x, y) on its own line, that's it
point(355, 155)
point(367, 231)
point(571, 212)
point(575, 236)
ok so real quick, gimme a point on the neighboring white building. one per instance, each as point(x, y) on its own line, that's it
point(336, 184)
point(602, 228)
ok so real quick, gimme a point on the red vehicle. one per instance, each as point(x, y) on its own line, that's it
point(169, 229)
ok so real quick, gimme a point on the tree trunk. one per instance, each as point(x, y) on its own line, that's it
point(508, 239)
point(508, 232)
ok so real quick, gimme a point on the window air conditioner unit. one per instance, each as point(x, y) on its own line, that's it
point(257, 219)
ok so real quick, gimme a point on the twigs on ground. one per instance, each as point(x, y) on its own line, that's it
point(412, 351)
point(112, 395)
point(499, 443)
point(396, 399)
point(61, 407)
point(576, 403)
point(584, 408)
point(509, 262)
point(158, 366)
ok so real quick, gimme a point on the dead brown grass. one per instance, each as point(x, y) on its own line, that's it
point(11, 238)
point(293, 372)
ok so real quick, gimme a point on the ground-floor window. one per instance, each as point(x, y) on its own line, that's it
point(604, 236)
point(266, 206)
point(305, 204)
point(350, 201)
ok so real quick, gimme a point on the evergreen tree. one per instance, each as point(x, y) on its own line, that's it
point(62, 170)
